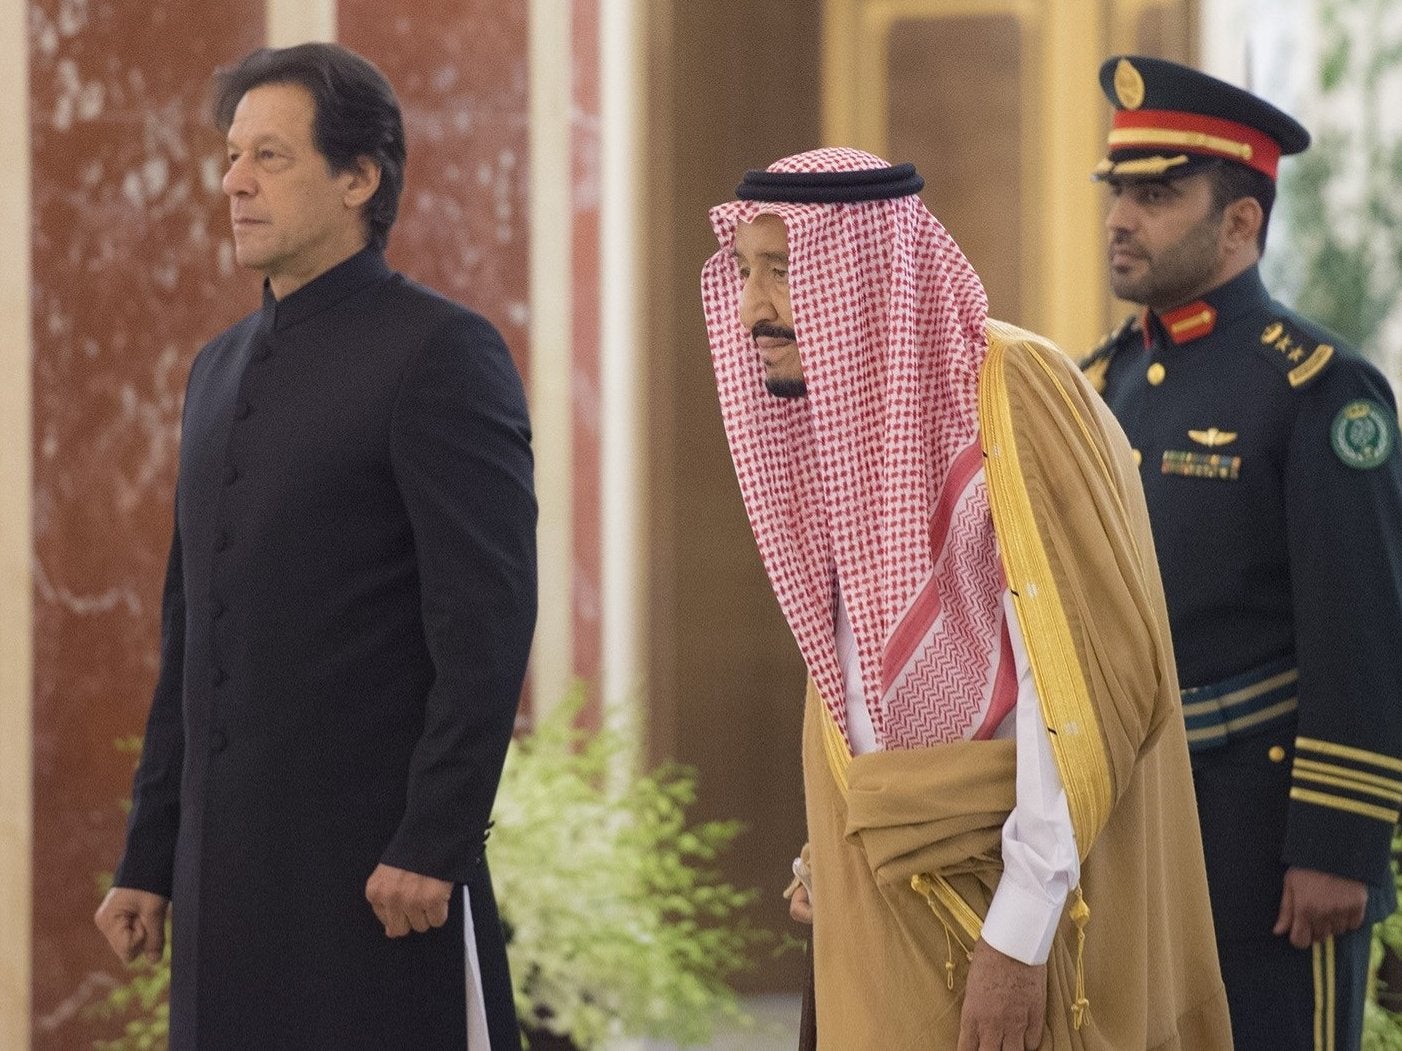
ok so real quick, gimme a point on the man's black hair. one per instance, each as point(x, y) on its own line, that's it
point(1231, 182)
point(356, 115)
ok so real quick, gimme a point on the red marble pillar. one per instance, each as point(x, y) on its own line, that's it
point(460, 70)
point(133, 271)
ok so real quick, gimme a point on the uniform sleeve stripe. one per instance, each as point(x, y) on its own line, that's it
point(1352, 806)
point(1391, 794)
point(1201, 729)
point(1343, 751)
point(1314, 766)
point(1280, 686)
point(1244, 686)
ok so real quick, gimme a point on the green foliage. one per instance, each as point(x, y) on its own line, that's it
point(1339, 199)
point(618, 922)
point(142, 1005)
point(1382, 1029)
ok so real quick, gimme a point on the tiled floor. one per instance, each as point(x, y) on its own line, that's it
point(775, 1028)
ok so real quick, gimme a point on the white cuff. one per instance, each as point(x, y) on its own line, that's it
point(1022, 925)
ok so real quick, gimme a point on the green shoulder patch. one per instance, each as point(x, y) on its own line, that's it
point(1362, 434)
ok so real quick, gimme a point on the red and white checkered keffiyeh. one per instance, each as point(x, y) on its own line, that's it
point(877, 475)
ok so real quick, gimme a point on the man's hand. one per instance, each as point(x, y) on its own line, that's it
point(798, 893)
point(1005, 1004)
point(1316, 905)
point(405, 901)
point(133, 922)
point(800, 905)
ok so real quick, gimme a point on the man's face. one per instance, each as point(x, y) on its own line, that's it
point(762, 257)
point(293, 219)
point(1166, 246)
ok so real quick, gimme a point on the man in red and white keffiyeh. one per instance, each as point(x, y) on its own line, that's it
point(848, 334)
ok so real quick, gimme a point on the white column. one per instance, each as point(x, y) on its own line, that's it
point(16, 534)
point(551, 364)
point(1265, 46)
point(299, 21)
point(621, 364)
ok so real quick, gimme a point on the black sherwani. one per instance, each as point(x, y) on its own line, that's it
point(348, 608)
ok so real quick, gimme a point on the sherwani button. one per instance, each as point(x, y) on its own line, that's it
point(217, 742)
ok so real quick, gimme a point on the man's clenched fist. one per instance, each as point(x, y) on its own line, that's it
point(133, 922)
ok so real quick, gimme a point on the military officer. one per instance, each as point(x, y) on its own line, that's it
point(1269, 456)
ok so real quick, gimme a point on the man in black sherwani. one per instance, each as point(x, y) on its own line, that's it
point(348, 607)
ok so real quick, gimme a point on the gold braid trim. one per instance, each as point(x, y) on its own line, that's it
point(1061, 685)
point(1306, 371)
point(1080, 916)
point(1096, 373)
point(835, 746)
point(950, 909)
point(1080, 753)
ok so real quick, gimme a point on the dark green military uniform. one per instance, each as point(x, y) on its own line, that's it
point(1270, 462)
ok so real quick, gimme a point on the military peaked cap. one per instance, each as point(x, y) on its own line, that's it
point(1170, 120)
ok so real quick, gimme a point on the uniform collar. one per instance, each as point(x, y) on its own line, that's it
point(1200, 318)
point(366, 267)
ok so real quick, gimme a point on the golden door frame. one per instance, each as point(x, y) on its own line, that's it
point(1060, 267)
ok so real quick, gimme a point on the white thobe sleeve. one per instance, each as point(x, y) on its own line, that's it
point(1040, 862)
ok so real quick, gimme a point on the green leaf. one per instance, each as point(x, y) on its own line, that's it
point(620, 926)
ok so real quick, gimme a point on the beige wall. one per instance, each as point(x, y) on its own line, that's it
point(552, 659)
point(16, 607)
point(996, 102)
point(734, 86)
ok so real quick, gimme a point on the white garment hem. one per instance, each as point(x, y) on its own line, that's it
point(477, 1033)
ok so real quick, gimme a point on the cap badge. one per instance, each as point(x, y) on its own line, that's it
point(1129, 85)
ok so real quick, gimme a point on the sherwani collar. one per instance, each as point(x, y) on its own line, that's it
point(366, 267)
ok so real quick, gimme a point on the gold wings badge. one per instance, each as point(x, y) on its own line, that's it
point(1212, 437)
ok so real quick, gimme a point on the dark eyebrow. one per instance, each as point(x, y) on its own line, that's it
point(1129, 184)
point(265, 139)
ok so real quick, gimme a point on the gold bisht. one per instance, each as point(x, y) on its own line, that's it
point(906, 845)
